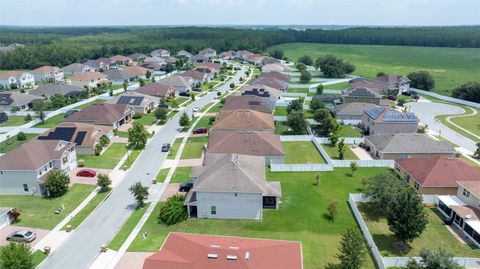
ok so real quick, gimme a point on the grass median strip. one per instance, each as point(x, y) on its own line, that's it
point(87, 210)
point(127, 227)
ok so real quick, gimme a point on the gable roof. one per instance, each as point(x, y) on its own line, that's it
point(251, 102)
point(353, 109)
point(133, 98)
point(137, 56)
point(391, 78)
point(374, 85)
point(246, 174)
point(409, 143)
point(362, 92)
point(197, 75)
point(12, 73)
point(275, 67)
point(100, 114)
point(255, 143)
point(74, 68)
point(156, 89)
point(46, 69)
point(276, 75)
point(271, 82)
point(16, 99)
point(52, 89)
point(383, 114)
point(261, 91)
point(244, 119)
point(88, 76)
point(177, 81)
point(45, 151)
point(190, 251)
point(211, 66)
point(439, 171)
point(118, 75)
point(79, 133)
point(120, 58)
point(135, 70)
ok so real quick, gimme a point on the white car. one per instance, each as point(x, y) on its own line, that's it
point(196, 109)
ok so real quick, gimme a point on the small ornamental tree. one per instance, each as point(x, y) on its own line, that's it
point(353, 167)
point(381, 188)
point(316, 103)
point(125, 85)
point(21, 136)
point(406, 216)
point(174, 211)
point(306, 59)
point(341, 149)
point(319, 89)
point(40, 106)
point(232, 85)
point(332, 209)
point(305, 76)
point(140, 193)
point(476, 155)
point(184, 120)
point(161, 114)
point(16, 256)
point(15, 214)
point(352, 251)
point(57, 183)
point(137, 135)
point(104, 182)
point(434, 260)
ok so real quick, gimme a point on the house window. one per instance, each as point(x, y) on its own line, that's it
point(466, 193)
point(417, 186)
point(25, 187)
point(65, 160)
point(398, 168)
point(406, 178)
point(213, 210)
point(50, 164)
point(403, 155)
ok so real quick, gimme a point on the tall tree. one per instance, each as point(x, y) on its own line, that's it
point(57, 183)
point(341, 148)
point(331, 66)
point(316, 103)
point(469, 91)
point(421, 80)
point(306, 59)
point(352, 251)
point(184, 120)
point(294, 105)
point(137, 135)
point(296, 121)
point(40, 106)
point(381, 188)
point(16, 256)
point(278, 54)
point(305, 76)
point(161, 114)
point(434, 260)
point(104, 182)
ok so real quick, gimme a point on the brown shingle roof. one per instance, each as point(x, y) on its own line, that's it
point(251, 102)
point(34, 154)
point(92, 132)
point(256, 143)
point(157, 90)
point(244, 120)
point(45, 69)
point(88, 76)
point(197, 75)
point(100, 114)
point(276, 75)
point(136, 70)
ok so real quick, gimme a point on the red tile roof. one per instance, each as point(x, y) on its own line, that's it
point(192, 251)
point(439, 171)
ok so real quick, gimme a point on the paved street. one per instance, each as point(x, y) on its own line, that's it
point(100, 227)
point(426, 112)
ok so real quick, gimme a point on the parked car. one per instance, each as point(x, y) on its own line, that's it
point(166, 147)
point(70, 112)
point(200, 131)
point(185, 186)
point(86, 173)
point(22, 236)
point(196, 109)
point(392, 98)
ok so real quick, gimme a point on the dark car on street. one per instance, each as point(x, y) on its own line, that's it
point(185, 186)
point(200, 131)
point(165, 147)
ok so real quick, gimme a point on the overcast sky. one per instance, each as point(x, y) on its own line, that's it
point(214, 12)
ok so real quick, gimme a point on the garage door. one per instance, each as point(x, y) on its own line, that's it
point(4, 220)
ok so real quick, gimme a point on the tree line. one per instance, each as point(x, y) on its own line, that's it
point(63, 46)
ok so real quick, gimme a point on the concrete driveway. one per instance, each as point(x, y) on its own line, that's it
point(86, 180)
point(426, 112)
point(4, 232)
point(132, 260)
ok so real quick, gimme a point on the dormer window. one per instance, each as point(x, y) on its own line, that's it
point(466, 193)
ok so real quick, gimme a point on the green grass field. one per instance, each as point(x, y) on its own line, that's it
point(337, 86)
point(450, 67)
point(294, 220)
point(194, 147)
point(51, 122)
point(12, 142)
point(87, 210)
point(435, 236)
point(147, 119)
point(281, 128)
point(173, 150)
point(127, 228)
point(108, 160)
point(333, 152)
point(280, 111)
point(181, 174)
point(204, 122)
point(302, 152)
point(348, 131)
point(469, 122)
point(14, 121)
point(37, 211)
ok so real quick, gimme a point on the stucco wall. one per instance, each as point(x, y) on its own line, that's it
point(229, 206)
point(11, 183)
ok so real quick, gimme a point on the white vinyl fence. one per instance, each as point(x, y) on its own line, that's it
point(347, 140)
point(447, 98)
point(364, 163)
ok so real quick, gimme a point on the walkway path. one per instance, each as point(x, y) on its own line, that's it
point(474, 112)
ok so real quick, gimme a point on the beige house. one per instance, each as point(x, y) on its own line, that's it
point(381, 120)
point(89, 79)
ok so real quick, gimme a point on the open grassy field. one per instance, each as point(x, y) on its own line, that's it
point(348, 131)
point(435, 236)
point(280, 111)
point(302, 152)
point(294, 220)
point(468, 121)
point(37, 211)
point(337, 86)
point(12, 143)
point(450, 67)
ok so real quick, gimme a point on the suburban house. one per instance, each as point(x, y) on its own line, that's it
point(138, 101)
point(62, 89)
point(16, 99)
point(199, 58)
point(92, 64)
point(438, 175)
point(197, 76)
point(76, 68)
point(395, 83)
point(84, 136)
point(137, 57)
point(231, 186)
point(183, 85)
point(48, 73)
point(118, 77)
point(250, 102)
point(383, 120)
point(271, 82)
point(255, 143)
point(184, 53)
point(19, 79)
point(210, 68)
point(105, 63)
point(160, 53)
point(154, 67)
point(406, 145)
point(361, 95)
point(157, 90)
point(244, 120)
point(113, 115)
point(268, 94)
point(352, 111)
point(277, 75)
point(136, 70)
point(154, 59)
point(461, 211)
point(89, 79)
point(281, 68)
point(195, 251)
point(208, 52)
point(24, 173)
point(168, 59)
point(255, 59)
point(227, 55)
point(242, 54)
point(120, 59)
point(270, 60)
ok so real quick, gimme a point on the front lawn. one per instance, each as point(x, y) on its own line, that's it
point(435, 236)
point(108, 160)
point(302, 216)
point(12, 143)
point(173, 150)
point(127, 228)
point(37, 212)
point(14, 121)
point(51, 122)
point(280, 111)
point(194, 147)
point(332, 152)
point(348, 131)
point(87, 210)
point(302, 152)
point(204, 122)
point(181, 174)
point(299, 90)
point(147, 119)
point(132, 156)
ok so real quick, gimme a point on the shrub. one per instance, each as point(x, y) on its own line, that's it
point(80, 163)
point(173, 211)
point(21, 136)
point(57, 183)
point(103, 182)
point(28, 118)
point(137, 115)
point(16, 255)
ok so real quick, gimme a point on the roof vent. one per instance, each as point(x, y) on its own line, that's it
point(231, 257)
point(233, 247)
point(247, 255)
point(468, 216)
point(214, 246)
point(212, 256)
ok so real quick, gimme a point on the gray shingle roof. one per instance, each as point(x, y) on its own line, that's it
point(63, 89)
point(409, 143)
point(353, 109)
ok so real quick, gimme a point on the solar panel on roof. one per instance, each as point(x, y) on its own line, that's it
point(375, 112)
point(130, 100)
point(60, 133)
point(80, 137)
point(254, 103)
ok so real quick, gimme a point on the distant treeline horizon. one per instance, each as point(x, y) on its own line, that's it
point(61, 46)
